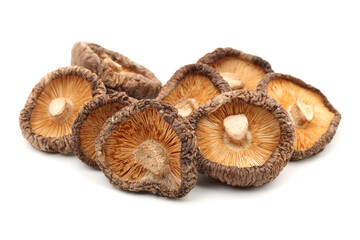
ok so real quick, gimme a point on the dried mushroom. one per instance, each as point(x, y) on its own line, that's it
point(239, 69)
point(53, 105)
point(191, 86)
point(245, 138)
point(147, 146)
point(118, 72)
point(314, 118)
point(90, 121)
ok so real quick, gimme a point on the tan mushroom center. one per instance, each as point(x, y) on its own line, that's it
point(186, 107)
point(153, 156)
point(237, 135)
point(233, 80)
point(60, 109)
point(116, 67)
point(301, 114)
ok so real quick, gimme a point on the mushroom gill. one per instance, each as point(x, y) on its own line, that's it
point(192, 91)
point(93, 125)
point(239, 70)
point(58, 106)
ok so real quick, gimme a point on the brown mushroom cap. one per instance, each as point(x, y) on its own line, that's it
point(117, 71)
point(147, 146)
point(245, 138)
point(90, 121)
point(53, 105)
point(315, 119)
point(191, 86)
point(241, 70)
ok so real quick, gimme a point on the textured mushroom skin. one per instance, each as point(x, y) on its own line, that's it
point(142, 84)
point(53, 144)
point(248, 176)
point(181, 73)
point(182, 128)
point(85, 111)
point(325, 138)
point(219, 53)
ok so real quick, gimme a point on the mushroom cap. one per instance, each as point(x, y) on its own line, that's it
point(312, 138)
point(76, 84)
point(133, 78)
point(261, 159)
point(140, 124)
point(90, 120)
point(198, 82)
point(249, 68)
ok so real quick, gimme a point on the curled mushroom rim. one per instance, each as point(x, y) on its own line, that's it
point(180, 126)
point(55, 144)
point(326, 137)
point(256, 175)
point(219, 53)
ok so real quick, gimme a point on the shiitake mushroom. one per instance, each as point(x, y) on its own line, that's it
point(53, 105)
point(90, 121)
point(314, 118)
point(148, 146)
point(118, 72)
point(245, 138)
point(191, 86)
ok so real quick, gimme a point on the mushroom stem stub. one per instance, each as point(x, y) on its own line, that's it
point(186, 107)
point(114, 65)
point(233, 80)
point(153, 156)
point(301, 114)
point(60, 109)
point(236, 129)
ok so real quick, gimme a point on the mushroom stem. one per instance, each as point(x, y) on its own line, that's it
point(60, 109)
point(153, 156)
point(301, 114)
point(186, 107)
point(233, 80)
point(114, 65)
point(236, 129)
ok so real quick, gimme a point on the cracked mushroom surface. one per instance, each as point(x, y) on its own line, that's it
point(239, 69)
point(192, 86)
point(314, 118)
point(118, 72)
point(245, 138)
point(90, 121)
point(147, 146)
point(53, 105)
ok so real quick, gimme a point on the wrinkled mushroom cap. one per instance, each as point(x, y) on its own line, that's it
point(241, 70)
point(315, 119)
point(118, 72)
point(147, 146)
point(191, 86)
point(53, 104)
point(90, 121)
point(250, 159)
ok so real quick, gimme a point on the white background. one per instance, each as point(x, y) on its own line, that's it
point(51, 196)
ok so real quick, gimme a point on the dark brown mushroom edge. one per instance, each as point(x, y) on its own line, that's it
point(191, 86)
point(53, 105)
point(314, 118)
point(90, 121)
point(148, 147)
point(245, 138)
point(118, 72)
point(239, 69)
